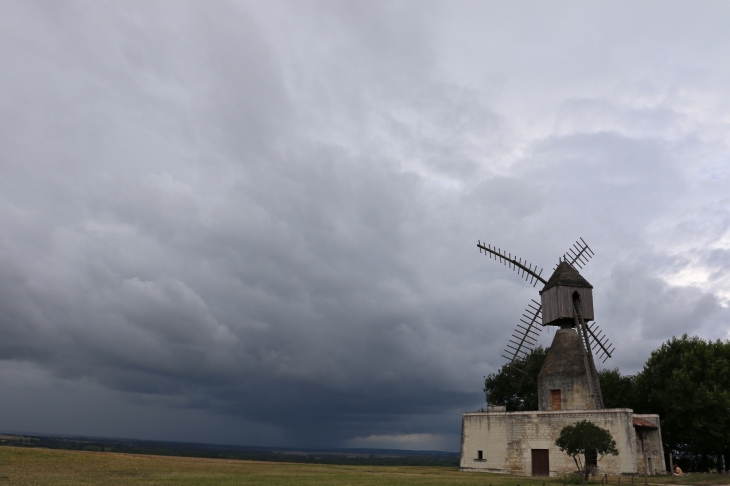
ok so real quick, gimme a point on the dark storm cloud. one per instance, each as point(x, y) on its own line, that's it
point(249, 223)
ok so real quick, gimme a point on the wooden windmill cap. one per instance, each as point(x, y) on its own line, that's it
point(567, 276)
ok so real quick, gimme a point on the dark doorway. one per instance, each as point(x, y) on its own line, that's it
point(540, 462)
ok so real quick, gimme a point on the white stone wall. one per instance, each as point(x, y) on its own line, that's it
point(507, 440)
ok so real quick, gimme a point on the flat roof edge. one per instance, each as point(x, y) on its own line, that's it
point(556, 412)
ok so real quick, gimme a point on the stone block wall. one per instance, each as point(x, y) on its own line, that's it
point(506, 440)
point(565, 370)
point(652, 444)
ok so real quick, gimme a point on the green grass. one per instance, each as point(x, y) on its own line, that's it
point(27, 466)
point(692, 479)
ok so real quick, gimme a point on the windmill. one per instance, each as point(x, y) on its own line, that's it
point(566, 300)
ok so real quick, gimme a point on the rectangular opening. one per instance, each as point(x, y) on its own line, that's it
point(651, 466)
point(480, 455)
point(555, 403)
point(540, 462)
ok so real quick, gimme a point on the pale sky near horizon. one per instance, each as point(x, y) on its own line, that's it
point(256, 222)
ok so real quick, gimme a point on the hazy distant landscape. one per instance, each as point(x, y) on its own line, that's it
point(382, 457)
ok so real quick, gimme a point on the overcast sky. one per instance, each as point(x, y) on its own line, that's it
point(256, 223)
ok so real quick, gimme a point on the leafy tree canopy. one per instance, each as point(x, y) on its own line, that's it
point(516, 386)
point(588, 440)
point(617, 389)
point(687, 382)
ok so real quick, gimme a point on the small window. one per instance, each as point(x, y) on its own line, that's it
point(480, 455)
point(555, 403)
point(591, 459)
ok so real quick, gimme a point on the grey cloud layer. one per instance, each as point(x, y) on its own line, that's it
point(267, 213)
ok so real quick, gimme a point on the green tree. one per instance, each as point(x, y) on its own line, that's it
point(516, 386)
point(617, 389)
point(687, 382)
point(588, 440)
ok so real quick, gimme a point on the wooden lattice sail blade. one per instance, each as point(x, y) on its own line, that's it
point(525, 335)
point(601, 345)
point(579, 254)
point(533, 313)
point(523, 269)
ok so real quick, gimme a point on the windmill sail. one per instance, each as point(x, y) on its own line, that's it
point(523, 269)
point(578, 255)
point(601, 345)
point(525, 335)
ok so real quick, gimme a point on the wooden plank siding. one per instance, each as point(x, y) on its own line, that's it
point(557, 303)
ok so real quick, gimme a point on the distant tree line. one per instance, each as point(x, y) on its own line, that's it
point(686, 381)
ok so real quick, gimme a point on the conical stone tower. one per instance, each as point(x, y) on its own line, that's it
point(563, 381)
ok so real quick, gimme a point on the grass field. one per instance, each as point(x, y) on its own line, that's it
point(26, 466)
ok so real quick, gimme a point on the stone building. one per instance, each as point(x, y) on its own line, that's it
point(523, 443)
